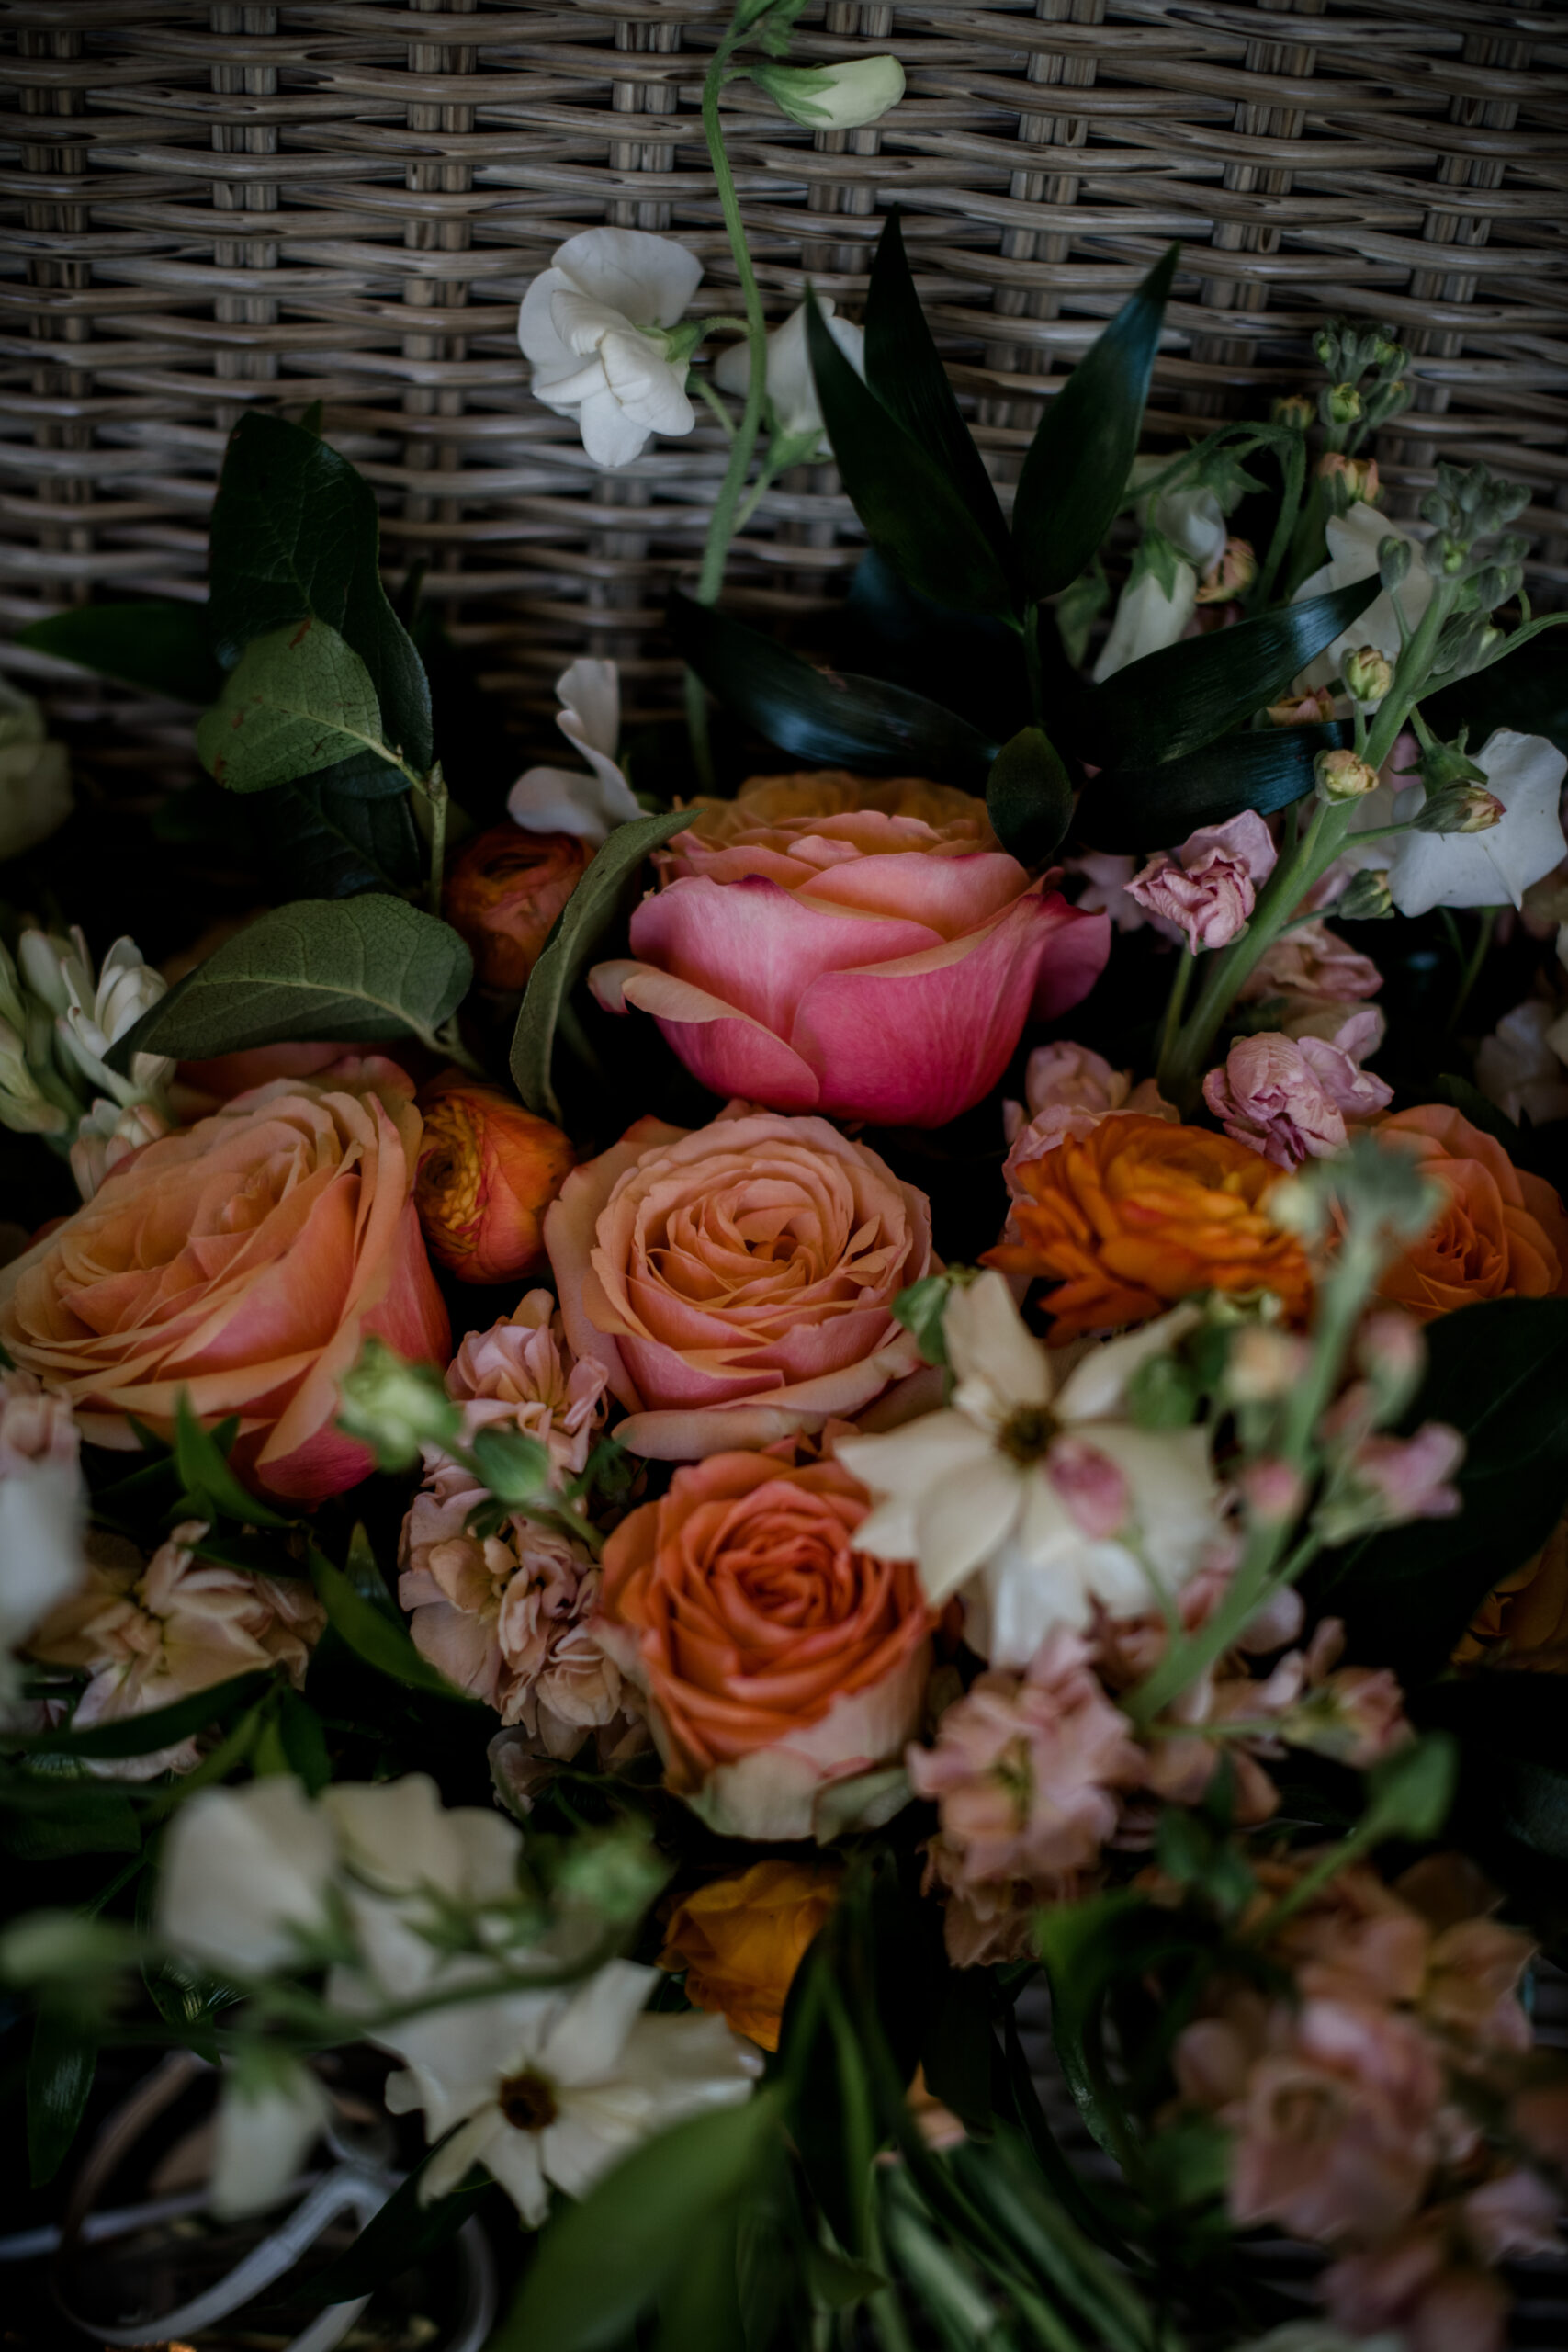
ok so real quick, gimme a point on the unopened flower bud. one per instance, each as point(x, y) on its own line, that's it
point(504, 891)
point(833, 97)
point(1350, 482)
point(1388, 355)
point(1341, 404)
point(24, 1107)
point(1325, 343)
point(395, 1407)
point(488, 1170)
point(1343, 775)
point(1366, 898)
point(1393, 560)
point(1496, 584)
point(1235, 571)
point(1294, 411)
point(1368, 674)
point(1391, 1350)
point(1272, 1489)
point(1264, 1364)
point(1302, 710)
point(1461, 809)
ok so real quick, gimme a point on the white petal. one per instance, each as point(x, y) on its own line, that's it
point(590, 696)
point(517, 2159)
point(1146, 620)
point(960, 1523)
point(585, 2039)
point(581, 323)
point(43, 1520)
point(1194, 522)
point(651, 279)
point(559, 800)
point(899, 1466)
point(239, 1868)
point(536, 326)
point(263, 2138)
point(609, 435)
point(992, 1352)
point(1497, 866)
point(1174, 1494)
point(1098, 1384)
point(651, 392)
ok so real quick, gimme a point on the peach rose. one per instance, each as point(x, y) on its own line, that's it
point(244, 1260)
point(865, 949)
point(504, 888)
point(737, 1283)
point(776, 1660)
point(1501, 1233)
point(488, 1170)
point(740, 1939)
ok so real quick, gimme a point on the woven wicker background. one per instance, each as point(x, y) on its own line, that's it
point(211, 206)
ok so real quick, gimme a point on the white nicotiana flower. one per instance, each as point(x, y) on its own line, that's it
point(1495, 867)
point(35, 777)
point(268, 2120)
point(1152, 615)
point(245, 1874)
point(564, 800)
point(91, 1014)
point(1354, 538)
point(834, 97)
point(554, 2087)
point(1037, 1500)
point(109, 1134)
point(791, 386)
point(595, 326)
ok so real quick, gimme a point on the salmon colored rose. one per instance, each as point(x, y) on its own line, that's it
point(504, 890)
point(488, 1170)
point(865, 950)
point(775, 1659)
point(245, 1261)
point(1500, 1234)
point(1138, 1214)
point(737, 1283)
point(741, 1938)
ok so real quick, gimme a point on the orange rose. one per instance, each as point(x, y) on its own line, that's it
point(243, 1259)
point(1138, 1214)
point(1501, 1234)
point(775, 1658)
point(741, 1938)
point(504, 890)
point(1524, 1623)
point(488, 1170)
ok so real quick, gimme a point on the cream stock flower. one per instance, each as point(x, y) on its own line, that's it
point(593, 325)
point(564, 800)
point(1037, 1500)
point(44, 1510)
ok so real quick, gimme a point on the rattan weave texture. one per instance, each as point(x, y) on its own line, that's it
point(211, 206)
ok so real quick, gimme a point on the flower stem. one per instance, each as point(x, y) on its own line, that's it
point(721, 528)
point(1181, 980)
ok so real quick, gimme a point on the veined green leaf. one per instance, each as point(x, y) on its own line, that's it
point(162, 646)
point(362, 969)
point(1077, 470)
point(1151, 808)
point(60, 2067)
point(298, 702)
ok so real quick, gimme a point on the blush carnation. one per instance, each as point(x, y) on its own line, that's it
point(1289, 1098)
point(1209, 889)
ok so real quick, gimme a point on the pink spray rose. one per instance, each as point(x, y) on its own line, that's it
point(1289, 1098)
point(863, 950)
point(1210, 888)
point(737, 1283)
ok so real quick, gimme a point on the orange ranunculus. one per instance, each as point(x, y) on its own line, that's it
point(242, 1260)
point(488, 1170)
point(1138, 1214)
point(504, 890)
point(741, 1938)
point(775, 1658)
point(1500, 1234)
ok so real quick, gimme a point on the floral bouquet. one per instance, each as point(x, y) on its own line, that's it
point(783, 1534)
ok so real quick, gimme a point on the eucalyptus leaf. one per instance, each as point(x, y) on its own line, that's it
point(1029, 796)
point(1175, 701)
point(61, 2066)
point(296, 535)
point(1145, 808)
point(161, 646)
point(577, 931)
point(827, 716)
point(372, 1637)
point(298, 702)
point(1075, 473)
point(911, 505)
point(362, 969)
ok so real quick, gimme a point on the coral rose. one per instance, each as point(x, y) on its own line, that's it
point(737, 1283)
point(245, 1261)
point(1500, 1234)
point(504, 890)
point(741, 1938)
point(1138, 1214)
point(865, 950)
point(488, 1170)
point(776, 1660)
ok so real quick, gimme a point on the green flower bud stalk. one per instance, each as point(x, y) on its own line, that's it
point(1366, 899)
point(1368, 674)
point(1461, 809)
point(1341, 404)
point(1294, 410)
point(1343, 775)
point(1393, 561)
point(395, 1408)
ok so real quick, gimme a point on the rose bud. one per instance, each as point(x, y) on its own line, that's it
point(488, 1170)
point(504, 890)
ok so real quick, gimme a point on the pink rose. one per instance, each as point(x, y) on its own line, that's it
point(1289, 1098)
point(737, 1284)
point(873, 955)
point(1210, 888)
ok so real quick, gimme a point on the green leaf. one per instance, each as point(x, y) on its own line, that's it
point(912, 506)
point(922, 1309)
point(372, 1637)
point(161, 646)
point(60, 2067)
point(203, 1466)
point(160, 1728)
point(1075, 473)
point(298, 702)
point(362, 969)
point(1086, 1947)
point(1139, 810)
point(1029, 796)
point(320, 842)
point(1410, 1792)
point(827, 716)
point(699, 2310)
point(406, 2230)
point(904, 370)
point(44, 1815)
point(303, 1741)
point(1498, 1372)
point(577, 931)
point(605, 2259)
point(1175, 701)
point(296, 535)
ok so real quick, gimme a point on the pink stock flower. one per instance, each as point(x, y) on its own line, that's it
point(1312, 966)
point(1209, 889)
point(1423, 2290)
point(1409, 1474)
point(521, 1372)
point(863, 950)
point(1289, 1098)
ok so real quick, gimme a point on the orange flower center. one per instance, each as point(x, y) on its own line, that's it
point(450, 1174)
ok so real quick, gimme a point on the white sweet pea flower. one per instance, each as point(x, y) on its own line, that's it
point(1151, 615)
point(35, 777)
point(1354, 538)
point(791, 387)
point(269, 2118)
point(834, 97)
point(595, 326)
point(244, 1874)
point(1497, 866)
point(1035, 1500)
point(564, 800)
point(554, 2087)
point(1194, 522)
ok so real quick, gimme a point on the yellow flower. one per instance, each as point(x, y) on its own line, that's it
point(740, 1940)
